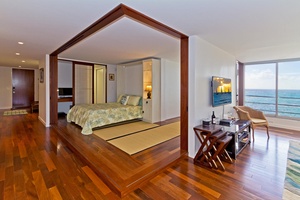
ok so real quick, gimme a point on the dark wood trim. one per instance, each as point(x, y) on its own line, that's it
point(93, 83)
point(111, 17)
point(65, 99)
point(106, 83)
point(184, 73)
point(241, 71)
point(53, 89)
point(151, 22)
point(73, 82)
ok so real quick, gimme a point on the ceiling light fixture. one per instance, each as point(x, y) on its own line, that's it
point(23, 60)
point(19, 66)
point(20, 42)
point(17, 54)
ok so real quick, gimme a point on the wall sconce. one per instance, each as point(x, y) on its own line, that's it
point(148, 90)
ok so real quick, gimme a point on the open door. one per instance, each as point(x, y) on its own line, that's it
point(22, 88)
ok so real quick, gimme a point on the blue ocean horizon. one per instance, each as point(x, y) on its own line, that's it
point(265, 100)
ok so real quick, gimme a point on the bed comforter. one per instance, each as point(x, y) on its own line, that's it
point(89, 116)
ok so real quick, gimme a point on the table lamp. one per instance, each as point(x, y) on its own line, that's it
point(148, 90)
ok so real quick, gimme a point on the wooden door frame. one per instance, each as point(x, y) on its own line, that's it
point(108, 19)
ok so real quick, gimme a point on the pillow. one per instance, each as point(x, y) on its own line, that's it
point(124, 100)
point(133, 100)
point(120, 97)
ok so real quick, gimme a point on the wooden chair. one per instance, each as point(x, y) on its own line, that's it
point(256, 117)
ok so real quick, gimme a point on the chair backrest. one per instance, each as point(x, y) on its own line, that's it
point(252, 112)
point(243, 114)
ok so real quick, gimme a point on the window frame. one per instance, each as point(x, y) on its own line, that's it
point(240, 75)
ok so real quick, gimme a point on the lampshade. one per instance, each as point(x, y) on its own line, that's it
point(148, 88)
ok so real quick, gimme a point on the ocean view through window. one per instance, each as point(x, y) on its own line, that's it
point(274, 88)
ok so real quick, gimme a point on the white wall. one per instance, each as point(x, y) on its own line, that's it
point(111, 85)
point(5, 88)
point(205, 60)
point(44, 92)
point(270, 53)
point(65, 69)
point(170, 89)
point(130, 79)
point(134, 80)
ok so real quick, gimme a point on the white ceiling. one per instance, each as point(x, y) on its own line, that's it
point(242, 28)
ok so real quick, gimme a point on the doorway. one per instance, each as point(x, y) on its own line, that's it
point(22, 88)
point(99, 84)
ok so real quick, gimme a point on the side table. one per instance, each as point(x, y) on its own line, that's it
point(213, 141)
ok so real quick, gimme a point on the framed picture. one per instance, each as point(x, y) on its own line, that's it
point(111, 77)
point(42, 75)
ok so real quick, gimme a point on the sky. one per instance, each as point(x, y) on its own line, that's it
point(263, 76)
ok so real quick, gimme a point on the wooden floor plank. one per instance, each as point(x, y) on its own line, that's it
point(40, 185)
point(37, 164)
point(22, 149)
point(54, 193)
point(95, 179)
point(49, 163)
point(1, 189)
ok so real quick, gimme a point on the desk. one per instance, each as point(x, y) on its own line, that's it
point(65, 99)
point(221, 142)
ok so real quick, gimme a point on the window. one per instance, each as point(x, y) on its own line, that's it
point(289, 89)
point(274, 88)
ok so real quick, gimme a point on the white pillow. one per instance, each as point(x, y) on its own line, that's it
point(124, 100)
point(133, 100)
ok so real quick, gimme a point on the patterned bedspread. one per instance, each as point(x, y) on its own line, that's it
point(89, 116)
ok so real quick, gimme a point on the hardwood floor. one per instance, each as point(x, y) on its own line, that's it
point(36, 164)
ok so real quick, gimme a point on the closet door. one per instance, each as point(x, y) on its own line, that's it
point(83, 83)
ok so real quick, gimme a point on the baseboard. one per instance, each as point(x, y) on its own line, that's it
point(41, 120)
point(284, 123)
point(282, 126)
point(5, 108)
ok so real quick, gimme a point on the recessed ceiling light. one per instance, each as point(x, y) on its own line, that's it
point(17, 54)
point(20, 42)
point(19, 66)
point(23, 60)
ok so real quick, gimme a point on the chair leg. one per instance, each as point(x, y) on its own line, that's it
point(268, 132)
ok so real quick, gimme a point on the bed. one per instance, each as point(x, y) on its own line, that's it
point(90, 116)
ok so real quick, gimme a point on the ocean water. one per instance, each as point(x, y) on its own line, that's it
point(265, 100)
